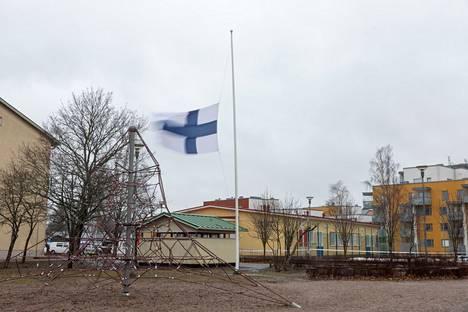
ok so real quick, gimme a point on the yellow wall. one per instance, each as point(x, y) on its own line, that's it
point(251, 245)
point(150, 250)
point(15, 131)
point(436, 189)
point(182, 249)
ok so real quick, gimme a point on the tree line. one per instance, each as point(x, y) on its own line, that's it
point(75, 182)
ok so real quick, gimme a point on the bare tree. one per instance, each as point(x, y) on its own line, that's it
point(408, 226)
point(35, 202)
point(262, 220)
point(35, 213)
point(90, 132)
point(387, 193)
point(286, 222)
point(344, 213)
point(291, 222)
point(454, 220)
point(276, 238)
point(13, 191)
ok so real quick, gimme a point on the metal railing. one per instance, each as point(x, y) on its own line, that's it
point(417, 199)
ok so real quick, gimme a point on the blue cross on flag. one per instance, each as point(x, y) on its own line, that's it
point(194, 132)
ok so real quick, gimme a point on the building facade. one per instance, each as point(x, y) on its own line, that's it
point(172, 235)
point(15, 130)
point(252, 202)
point(321, 241)
point(423, 223)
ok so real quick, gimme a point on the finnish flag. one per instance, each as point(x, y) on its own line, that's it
point(194, 132)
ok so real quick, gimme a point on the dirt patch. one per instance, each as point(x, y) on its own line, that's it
point(76, 292)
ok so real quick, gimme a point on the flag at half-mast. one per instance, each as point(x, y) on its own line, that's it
point(193, 132)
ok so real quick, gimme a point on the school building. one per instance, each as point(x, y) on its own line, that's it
point(322, 240)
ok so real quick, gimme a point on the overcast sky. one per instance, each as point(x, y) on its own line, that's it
point(320, 84)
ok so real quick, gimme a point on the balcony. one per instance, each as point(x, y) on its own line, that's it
point(406, 216)
point(418, 199)
point(465, 198)
point(455, 216)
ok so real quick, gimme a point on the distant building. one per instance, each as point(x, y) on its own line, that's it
point(169, 234)
point(434, 173)
point(252, 202)
point(428, 204)
point(323, 240)
point(361, 214)
point(15, 130)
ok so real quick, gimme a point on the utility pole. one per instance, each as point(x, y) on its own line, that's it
point(129, 226)
point(421, 169)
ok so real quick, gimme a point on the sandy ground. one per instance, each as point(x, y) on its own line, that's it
point(73, 293)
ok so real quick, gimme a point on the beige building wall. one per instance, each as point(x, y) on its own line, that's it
point(251, 245)
point(15, 131)
point(223, 248)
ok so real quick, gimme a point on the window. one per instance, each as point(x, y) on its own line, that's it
point(332, 238)
point(445, 243)
point(460, 194)
point(1, 121)
point(444, 226)
point(428, 227)
point(319, 239)
point(428, 211)
point(335, 239)
point(445, 195)
point(368, 241)
point(443, 211)
point(310, 237)
point(355, 240)
point(429, 243)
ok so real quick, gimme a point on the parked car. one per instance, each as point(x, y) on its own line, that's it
point(462, 258)
point(56, 248)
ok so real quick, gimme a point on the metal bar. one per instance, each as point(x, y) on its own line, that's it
point(129, 230)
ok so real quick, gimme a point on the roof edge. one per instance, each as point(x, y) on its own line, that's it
point(51, 138)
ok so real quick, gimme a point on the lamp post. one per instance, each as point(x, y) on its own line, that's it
point(309, 198)
point(422, 169)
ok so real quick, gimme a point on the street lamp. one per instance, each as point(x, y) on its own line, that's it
point(309, 198)
point(422, 169)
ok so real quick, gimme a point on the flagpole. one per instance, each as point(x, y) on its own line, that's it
point(236, 195)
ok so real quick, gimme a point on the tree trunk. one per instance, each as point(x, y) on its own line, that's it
point(25, 250)
point(13, 237)
point(455, 254)
point(74, 244)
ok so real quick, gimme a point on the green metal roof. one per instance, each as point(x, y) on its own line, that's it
point(200, 222)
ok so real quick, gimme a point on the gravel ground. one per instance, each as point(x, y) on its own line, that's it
point(75, 294)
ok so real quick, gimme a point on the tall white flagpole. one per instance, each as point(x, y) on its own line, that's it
point(236, 195)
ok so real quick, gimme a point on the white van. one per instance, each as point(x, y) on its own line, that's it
point(57, 247)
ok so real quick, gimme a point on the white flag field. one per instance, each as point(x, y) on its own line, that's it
point(193, 132)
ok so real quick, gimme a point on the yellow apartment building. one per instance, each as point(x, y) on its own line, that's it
point(423, 207)
point(17, 129)
point(321, 241)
